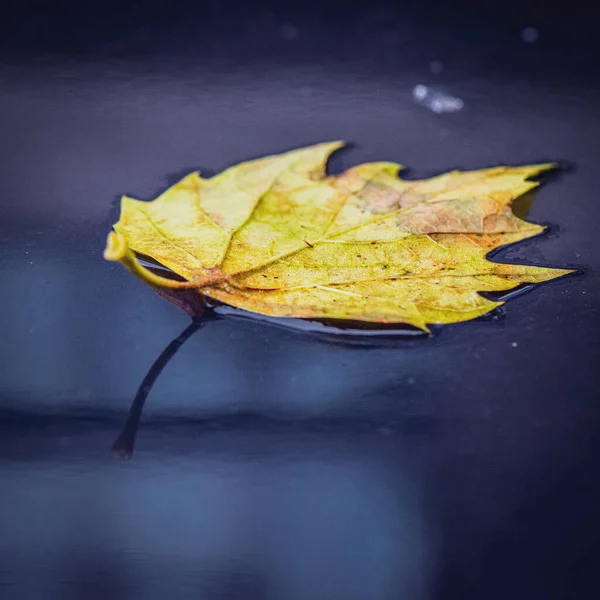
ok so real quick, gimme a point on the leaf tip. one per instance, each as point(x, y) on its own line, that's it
point(543, 168)
point(334, 146)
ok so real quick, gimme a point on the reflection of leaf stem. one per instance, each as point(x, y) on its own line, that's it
point(125, 442)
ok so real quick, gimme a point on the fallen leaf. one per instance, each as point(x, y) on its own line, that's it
point(279, 237)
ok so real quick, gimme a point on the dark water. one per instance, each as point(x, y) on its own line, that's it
point(270, 465)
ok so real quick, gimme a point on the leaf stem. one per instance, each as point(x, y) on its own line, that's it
point(117, 250)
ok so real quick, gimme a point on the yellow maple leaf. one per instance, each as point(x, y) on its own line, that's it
point(279, 237)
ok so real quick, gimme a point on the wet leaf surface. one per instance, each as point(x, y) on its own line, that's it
point(278, 237)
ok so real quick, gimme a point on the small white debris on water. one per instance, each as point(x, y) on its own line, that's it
point(436, 100)
point(289, 32)
point(530, 35)
point(514, 344)
point(411, 380)
point(420, 92)
point(436, 66)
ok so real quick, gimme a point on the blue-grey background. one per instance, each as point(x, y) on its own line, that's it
point(270, 465)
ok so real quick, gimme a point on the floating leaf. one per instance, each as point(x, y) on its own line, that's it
point(279, 237)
